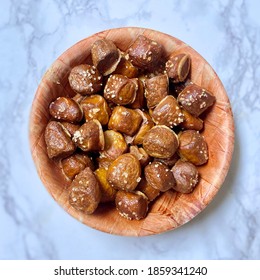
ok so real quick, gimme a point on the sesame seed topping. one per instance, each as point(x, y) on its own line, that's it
point(203, 105)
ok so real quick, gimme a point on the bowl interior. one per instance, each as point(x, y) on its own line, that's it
point(171, 209)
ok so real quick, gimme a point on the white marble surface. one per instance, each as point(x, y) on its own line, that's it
point(35, 33)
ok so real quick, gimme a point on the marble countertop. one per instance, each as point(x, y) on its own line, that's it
point(34, 33)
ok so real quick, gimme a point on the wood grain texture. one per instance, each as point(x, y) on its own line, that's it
point(172, 209)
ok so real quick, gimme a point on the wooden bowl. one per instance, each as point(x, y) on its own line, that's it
point(172, 209)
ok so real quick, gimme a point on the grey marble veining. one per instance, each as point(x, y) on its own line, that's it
point(34, 33)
